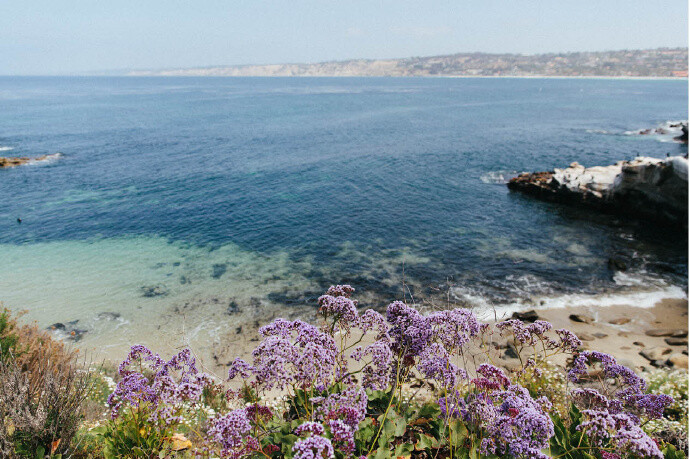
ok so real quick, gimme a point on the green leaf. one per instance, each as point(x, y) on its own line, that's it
point(383, 453)
point(403, 449)
point(425, 442)
point(458, 432)
point(429, 410)
point(40, 452)
point(400, 427)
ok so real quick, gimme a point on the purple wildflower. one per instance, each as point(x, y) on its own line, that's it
point(231, 432)
point(411, 331)
point(292, 353)
point(173, 384)
point(309, 427)
point(314, 447)
point(434, 363)
point(619, 431)
point(455, 328)
point(343, 436)
point(341, 290)
point(350, 406)
point(376, 373)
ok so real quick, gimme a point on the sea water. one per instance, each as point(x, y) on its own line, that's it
point(186, 206)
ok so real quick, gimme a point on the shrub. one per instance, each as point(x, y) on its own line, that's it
point(41, 393)
point(344, 390)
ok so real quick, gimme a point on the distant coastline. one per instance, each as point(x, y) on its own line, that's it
point(660, 63)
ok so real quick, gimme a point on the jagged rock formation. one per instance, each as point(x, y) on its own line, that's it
point(649, 188)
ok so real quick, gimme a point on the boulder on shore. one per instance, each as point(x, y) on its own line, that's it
point(649, 188)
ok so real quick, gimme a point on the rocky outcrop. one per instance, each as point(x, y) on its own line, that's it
point(6, 163)
point(649, 188)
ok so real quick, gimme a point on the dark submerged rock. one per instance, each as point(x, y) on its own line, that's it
point(150, 291)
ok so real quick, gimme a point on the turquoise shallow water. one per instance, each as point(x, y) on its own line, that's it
point(175, 199)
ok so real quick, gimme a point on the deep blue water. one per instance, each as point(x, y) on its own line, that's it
point(342, 172)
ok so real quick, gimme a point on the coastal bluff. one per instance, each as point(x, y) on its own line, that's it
point(645, 188)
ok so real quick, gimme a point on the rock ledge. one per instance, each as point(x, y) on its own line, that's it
point(645, 187)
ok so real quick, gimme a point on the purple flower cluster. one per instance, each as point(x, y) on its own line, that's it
point(232, 433)
point(309, 427)
point(314, 447)
point(163, 386)
point(292, 353)
point(613, 418)
point(376, 372)
point(410, 330)
point(454, 328)
point(343, 436)
point(349, 406)
point(435, 363)
point(512, 422)
point(619, 431)
point(521, 426)
point(490, 378)
point(531, 334)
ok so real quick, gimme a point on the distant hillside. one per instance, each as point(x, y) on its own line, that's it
point(661, 62)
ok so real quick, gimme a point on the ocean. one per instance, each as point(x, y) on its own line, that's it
point(185, 207)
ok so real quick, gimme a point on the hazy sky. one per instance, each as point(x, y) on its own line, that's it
point(70, 36)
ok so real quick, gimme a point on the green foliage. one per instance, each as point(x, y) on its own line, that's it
point(132, 434)
point(670, 452)
point(568, 442)
point(8, 337)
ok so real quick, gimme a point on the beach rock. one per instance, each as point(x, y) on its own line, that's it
point(108, 315)
point(619, 321)
point(150, 291)
point(582, 318)
point(638, 343)
point(600, 335)
point(655, 353)
point(585, 336)
point(644, 188)
point(658, 332)
point(510, 353)
point(67, 331)
point(659, 363)
point(683, 138)
point(678, 360)
point(527, 316)
point(676, 341)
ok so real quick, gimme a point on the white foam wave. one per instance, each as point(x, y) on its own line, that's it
point(498, 177)
point(6, 148)
point(647, 298)
point(45, 160)
point(598, 131)
point(664, 132)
